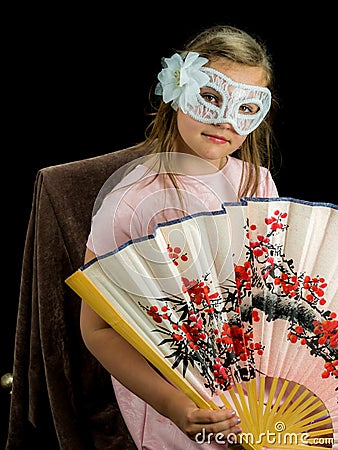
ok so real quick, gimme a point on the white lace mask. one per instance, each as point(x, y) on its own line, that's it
point(223, 100)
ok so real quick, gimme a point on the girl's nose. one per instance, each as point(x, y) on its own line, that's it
point(223, 125)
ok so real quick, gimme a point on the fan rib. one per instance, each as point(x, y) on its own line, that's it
point(81, 284)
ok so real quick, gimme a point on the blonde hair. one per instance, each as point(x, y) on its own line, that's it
point(237, 46)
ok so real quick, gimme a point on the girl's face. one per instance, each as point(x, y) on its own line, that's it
point(213, 142)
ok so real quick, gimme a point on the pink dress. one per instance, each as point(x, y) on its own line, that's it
point(132, 210)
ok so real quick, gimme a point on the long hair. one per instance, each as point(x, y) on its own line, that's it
point(237, 46)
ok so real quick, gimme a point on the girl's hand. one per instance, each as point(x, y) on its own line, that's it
point(200, 423)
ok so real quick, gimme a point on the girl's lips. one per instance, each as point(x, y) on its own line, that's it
point(216, 138)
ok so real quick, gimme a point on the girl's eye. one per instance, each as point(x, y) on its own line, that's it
point(210, 97)
point(249, 108)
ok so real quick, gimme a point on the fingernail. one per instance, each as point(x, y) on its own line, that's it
point(238, 421)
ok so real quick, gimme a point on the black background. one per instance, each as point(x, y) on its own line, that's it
point(75, 83)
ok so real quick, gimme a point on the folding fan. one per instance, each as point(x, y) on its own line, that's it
point(238, 308)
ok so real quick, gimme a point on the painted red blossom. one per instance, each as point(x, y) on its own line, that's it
point(211, 327)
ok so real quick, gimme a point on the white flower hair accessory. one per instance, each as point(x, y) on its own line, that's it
point(180, 80)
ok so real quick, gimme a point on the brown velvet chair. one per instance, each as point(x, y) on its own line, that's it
point(61, 398)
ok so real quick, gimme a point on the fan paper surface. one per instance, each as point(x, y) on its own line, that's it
point(238, 308)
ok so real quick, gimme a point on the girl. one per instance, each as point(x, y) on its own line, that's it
point(209, 142)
